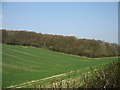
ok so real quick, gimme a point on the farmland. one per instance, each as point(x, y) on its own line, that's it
point(23, 64)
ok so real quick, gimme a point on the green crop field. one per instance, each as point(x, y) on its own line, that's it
point(23, 64)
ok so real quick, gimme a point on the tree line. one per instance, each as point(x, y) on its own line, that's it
point(66, 44)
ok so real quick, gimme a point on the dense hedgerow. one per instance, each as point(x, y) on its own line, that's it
point(105, 77)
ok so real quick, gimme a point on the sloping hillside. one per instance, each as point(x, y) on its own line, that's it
point(23, 64)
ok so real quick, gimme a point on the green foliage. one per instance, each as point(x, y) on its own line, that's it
point(65, 44)
point(22, 64)
point(107, 76)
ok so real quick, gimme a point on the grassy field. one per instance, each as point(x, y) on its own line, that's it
point(23, 64)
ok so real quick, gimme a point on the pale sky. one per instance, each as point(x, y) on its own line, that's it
point(91, 20)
